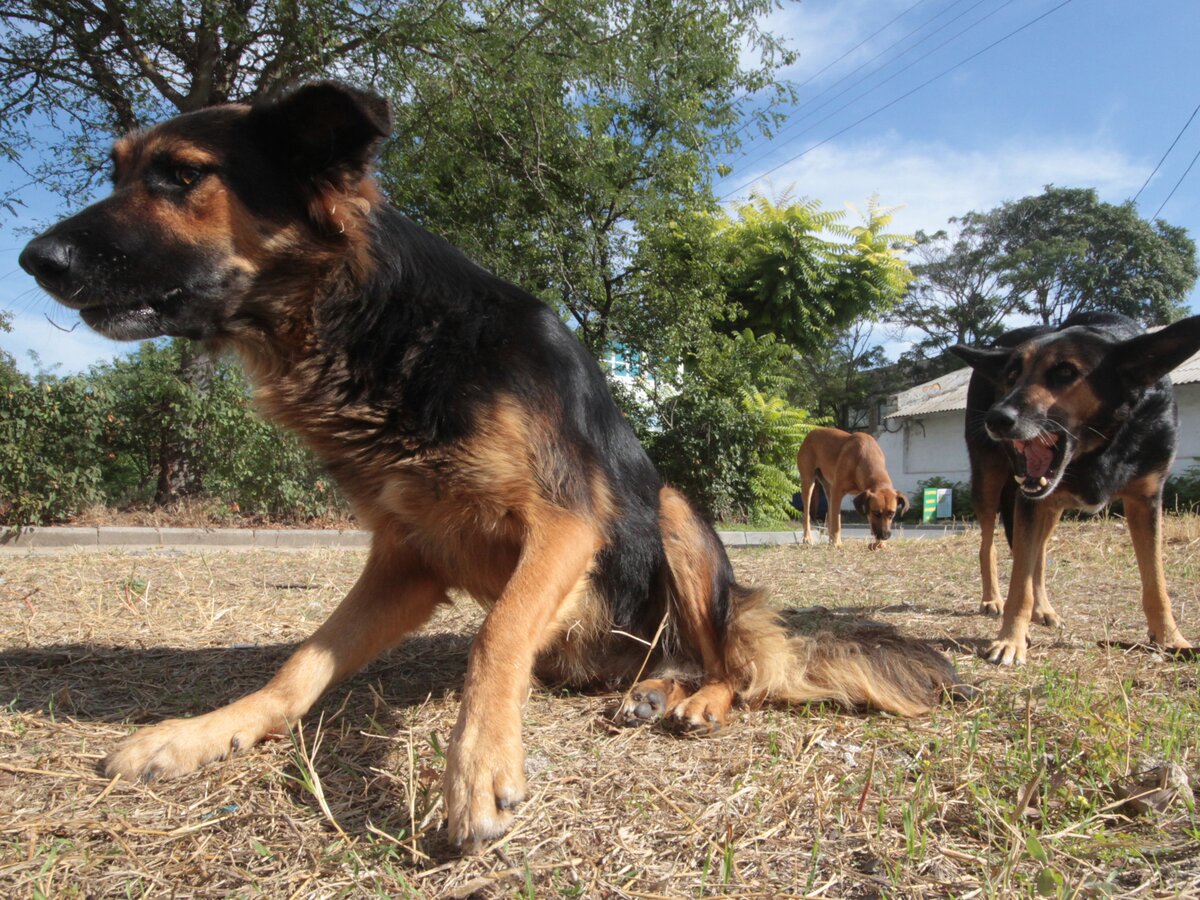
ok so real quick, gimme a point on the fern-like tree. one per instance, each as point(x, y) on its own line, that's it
point(798, 271)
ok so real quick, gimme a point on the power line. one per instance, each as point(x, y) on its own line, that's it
point(896, 74)
point(1177, 184)
point(903, 96)
point(1165, 155)
point(757, 152)
point(869, 37)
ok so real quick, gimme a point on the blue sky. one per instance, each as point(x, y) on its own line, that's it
point(1091, 96)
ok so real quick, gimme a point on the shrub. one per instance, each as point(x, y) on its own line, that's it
point(1182, 492)
point(50, 454)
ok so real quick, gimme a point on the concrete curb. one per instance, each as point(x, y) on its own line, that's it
point(61, 537)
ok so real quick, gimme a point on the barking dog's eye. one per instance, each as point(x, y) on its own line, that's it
point(186, 176)
point(1062, 374)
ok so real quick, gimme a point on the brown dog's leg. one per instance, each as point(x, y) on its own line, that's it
point(833, 518)
point(393, 596)
point(1143, 512)
point(808, 481)
point(485, 765)
point(1043, 612)
point(1032, 523)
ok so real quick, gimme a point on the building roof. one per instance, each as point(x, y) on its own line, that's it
point(949, 392)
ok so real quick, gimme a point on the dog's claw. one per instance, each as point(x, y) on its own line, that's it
point(1007, 652)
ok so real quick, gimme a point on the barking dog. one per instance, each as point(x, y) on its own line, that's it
point(472, 432)
point(846, 463)
point(1071, 418)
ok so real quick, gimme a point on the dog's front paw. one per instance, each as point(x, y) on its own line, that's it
point(1173, 641)
point(989, 608)
point(485, 780)
point(1045, 615)
point(1007, 651)
point(169, 749)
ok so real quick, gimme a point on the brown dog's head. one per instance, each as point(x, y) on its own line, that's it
point(1063, 394)
point(211, 209)
point(880, 507)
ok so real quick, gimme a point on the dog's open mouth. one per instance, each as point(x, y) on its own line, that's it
point(1038, 463)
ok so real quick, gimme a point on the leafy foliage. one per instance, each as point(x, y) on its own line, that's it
point(795, 270)
point(50, 456)
point(1064, 251)
point(779, 429)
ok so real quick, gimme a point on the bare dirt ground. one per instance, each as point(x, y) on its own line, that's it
point(1013, 794)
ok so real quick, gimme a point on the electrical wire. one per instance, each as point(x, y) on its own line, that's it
point(903, 96)
point(1177, 184)
point(1165, 155)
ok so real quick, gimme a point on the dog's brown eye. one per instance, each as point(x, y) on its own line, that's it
point(1064, 373)
point(187, 175)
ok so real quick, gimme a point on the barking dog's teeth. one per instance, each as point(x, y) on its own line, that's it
point(1043, 481)
point(1019, 479)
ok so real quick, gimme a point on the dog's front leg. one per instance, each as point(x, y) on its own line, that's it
point(485, 766)
point(1032, 524)
point(393, 596)
point(1143, 511)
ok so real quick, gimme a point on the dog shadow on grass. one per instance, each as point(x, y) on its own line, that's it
point(140, 685)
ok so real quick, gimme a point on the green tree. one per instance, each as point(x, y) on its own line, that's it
point(838, 382)
point(565, 149)
point(956, 296)
point(1064, 251)
point(795, 270)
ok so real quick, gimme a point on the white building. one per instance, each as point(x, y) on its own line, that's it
point(922, 437)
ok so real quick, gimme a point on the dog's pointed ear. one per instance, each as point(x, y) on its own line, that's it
point(325, 129)
point(901, 503)
point(987, 362)
point(860, 503)
point(1143, 360)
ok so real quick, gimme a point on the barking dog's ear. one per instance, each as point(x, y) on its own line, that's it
point(860, 503)
point(901, 503)
point(1143, 360)
point(987, 362)
point(325, 129)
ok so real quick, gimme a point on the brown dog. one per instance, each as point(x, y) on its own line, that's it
point(845, 463)
point(1072, 418)
point(472, 431)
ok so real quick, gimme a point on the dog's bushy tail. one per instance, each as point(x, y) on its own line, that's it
point(758, 655)
point(869, 667)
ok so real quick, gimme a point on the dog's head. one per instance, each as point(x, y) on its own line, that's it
point(880, 507)
point(1063, 394)
point(212, 209)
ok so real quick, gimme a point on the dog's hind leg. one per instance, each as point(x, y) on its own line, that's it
point(1043, 612)
point(393, 596)
point(1143, 512)
point(986, 490)
point(808, 483)
point(696, 565)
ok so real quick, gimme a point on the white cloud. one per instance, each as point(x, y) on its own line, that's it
point(933, 181)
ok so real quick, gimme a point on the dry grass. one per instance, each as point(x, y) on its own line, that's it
point(990, 799)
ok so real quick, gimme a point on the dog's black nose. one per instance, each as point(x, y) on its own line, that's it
point(1001, 420)
point(47, 259)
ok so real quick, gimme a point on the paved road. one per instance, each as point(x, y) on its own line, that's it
point(64, 538)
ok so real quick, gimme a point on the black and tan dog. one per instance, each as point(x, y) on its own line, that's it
point(1072, 418)
point(475, 436)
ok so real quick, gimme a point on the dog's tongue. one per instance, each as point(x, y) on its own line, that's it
point(1038, 458)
